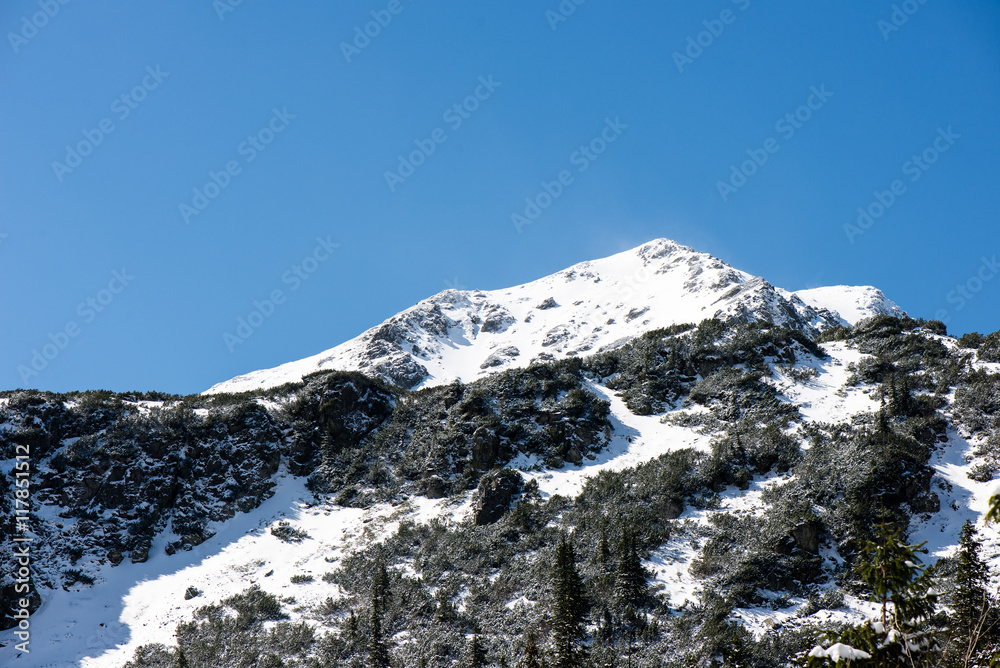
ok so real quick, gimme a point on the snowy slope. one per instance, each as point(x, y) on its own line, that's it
point(852, 303)
point(588, 307)
point(134, 604)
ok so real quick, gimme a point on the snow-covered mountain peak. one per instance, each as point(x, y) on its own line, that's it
point(852, 303)
point(590, 306)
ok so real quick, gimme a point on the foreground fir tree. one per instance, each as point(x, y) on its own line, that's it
point(974, 626)
point(891, 571)
point(568, 610)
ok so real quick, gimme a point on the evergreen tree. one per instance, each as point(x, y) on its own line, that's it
point(603, 550)
point(973, 627)
point(380, 587)
point(890, 567)
point(475, 654)
point(630, 577)
point(891, 570)
point(378, 651)
point(568, 609)
point(352, 626)
point(182, 661)
point(530, 658)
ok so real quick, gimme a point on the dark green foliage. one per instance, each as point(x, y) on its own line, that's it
point(971, 340)
point(475, 655)
point(221, 640)
point(977, 401)
point(378, 650)
point(891, 572)
point(659, 368)
point(287, 533)
point(531, 656)
point(974, 626)
point(568, 609)
point(989, 348)
point(630, 577)
point(890, 569)
point(439, 588)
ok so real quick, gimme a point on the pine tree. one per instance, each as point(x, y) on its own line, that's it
point(568, 609)
point(378, 652)
point(630, 578)
point(531, 658)
point(603, 550)
point(973, 627)
point(380, 587)
point(890, 568)
point(475, 654)
point(182, 661)
point(352, 626)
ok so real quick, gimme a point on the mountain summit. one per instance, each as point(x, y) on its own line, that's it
point(591, 306)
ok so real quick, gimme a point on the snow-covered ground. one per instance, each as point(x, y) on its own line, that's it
point(134, 604)
point(635, 439)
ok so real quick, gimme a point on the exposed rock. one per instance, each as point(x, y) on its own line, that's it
point(806, 536)
point(635, 313)
point(500, 357)
point(927, 502)
point(435, 488)
point(497, 319)
point(401, 370)
point(547, 304)
point(672, 509)
point(495, 492)
point(557, 334)
point(140, 553)
point(485, 447)
point(573, 456)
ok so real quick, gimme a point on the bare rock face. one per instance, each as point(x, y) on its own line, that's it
point(573, 456)
point(401, 370)
point(496, 490)
point(806, 536)
point(547, 304)
point(928, 502)
point(485, 448)
point(672, 509)
point(500, 357)
point(435, 488)
point(496, 319)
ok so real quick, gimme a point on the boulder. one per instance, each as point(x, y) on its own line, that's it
point(927, 502)
point(573, 456)
point(435, 488)
point(496, 490)
point(485, 447)
point(806, 536)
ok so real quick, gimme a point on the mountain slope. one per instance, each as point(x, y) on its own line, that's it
point(589, 307)
point(852, 303)
point(158, 518)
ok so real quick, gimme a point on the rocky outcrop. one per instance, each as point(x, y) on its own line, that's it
point(500, 357)
point(496, 490)
point(485, 448)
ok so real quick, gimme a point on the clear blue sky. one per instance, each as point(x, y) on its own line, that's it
point(213, 82)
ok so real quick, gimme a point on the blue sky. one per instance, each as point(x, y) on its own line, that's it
point(287, 136)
